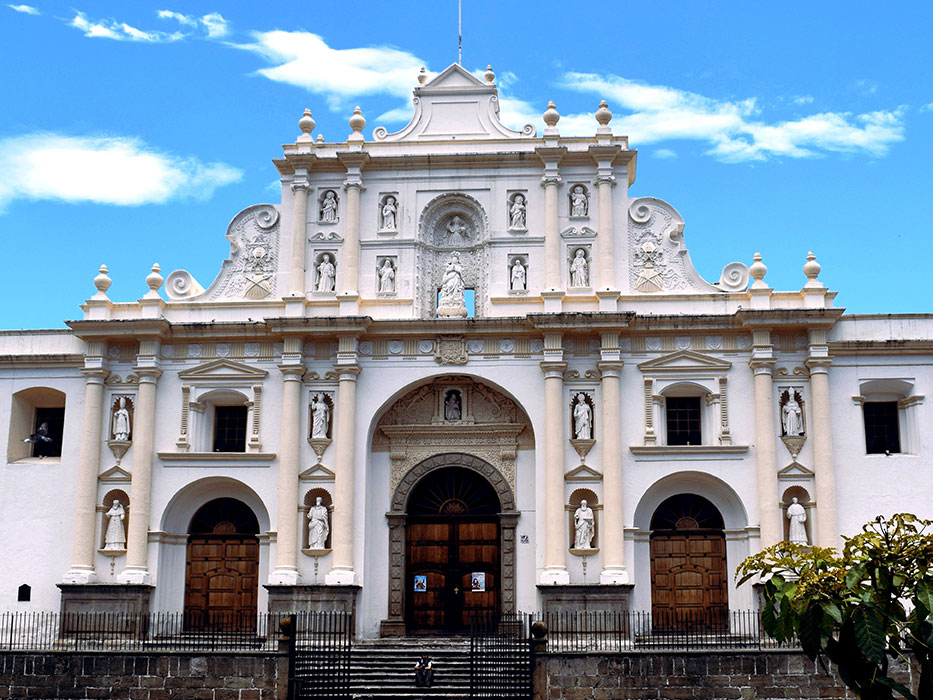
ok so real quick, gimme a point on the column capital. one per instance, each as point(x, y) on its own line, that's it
point(605, 180)
point(95, 375)
point(148, 374)
point(549, 180)
point(353, 183)
point(818, 365)
point(610, 368)
point(762, 365)
point(301, 187)
point(553, 369)
point(292, 372)
point(347, 373)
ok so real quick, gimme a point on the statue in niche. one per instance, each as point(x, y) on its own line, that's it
point(320, 414)
point(389, 214)
point(457, 227)
point(517, 276)
point(582, 419)
point(453, 407)
point(121, 421)
point(115, 537)
point(792, 416)
point(797, 532)
point(326, 272)
point(452, 285)
point(584, 526)
point(579, 270)
point(578, 201)
point(517, 213)
point(318, 527)
point(329, 208)
point(387, 277)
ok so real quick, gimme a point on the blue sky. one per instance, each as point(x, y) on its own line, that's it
point(131, 133)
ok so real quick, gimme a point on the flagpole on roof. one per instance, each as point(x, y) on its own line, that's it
point(459, 32)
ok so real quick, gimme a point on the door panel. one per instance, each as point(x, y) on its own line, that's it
point(221, 582)
point(688, 579)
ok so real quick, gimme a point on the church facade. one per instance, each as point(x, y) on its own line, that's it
point(458, 369)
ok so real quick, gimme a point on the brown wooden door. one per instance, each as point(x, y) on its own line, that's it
point(688, 579)
point(221, 581)
point(449, 552)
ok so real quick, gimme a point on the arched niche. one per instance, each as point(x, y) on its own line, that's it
point(32, 407)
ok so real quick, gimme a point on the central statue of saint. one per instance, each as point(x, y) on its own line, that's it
point(451, 301)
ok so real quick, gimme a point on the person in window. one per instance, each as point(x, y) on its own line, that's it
point(424, 674)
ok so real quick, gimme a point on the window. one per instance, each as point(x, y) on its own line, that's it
point(230, 428)
point(50, 422)
point(37, 413)
point(882, 434)
point(683, 420)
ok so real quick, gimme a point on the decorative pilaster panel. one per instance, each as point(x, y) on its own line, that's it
point(342, 541)
point(823, 466)
point(650, 436)
point(765, 456)
point(552, 281)
point(254, 441)
point(296, 276)
point(555, 566)
point(725, 436)
point(286, 561)
point(183, 443)
point(614, 571)
point(605, 182)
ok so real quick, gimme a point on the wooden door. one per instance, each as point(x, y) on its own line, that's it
point(688, 579)
point(221, 581)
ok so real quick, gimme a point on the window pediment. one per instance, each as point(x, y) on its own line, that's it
point(685, 362)
point(223, 370)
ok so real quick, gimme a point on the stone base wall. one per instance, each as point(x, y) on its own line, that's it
point(120, 676)
point(734, 675)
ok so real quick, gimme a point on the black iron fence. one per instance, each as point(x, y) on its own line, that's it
point(320, 647)
point(501, 656)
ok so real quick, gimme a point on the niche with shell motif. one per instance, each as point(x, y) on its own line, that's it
point(310, 501)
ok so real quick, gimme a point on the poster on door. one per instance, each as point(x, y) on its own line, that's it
point(421, 583)
point(478, 582)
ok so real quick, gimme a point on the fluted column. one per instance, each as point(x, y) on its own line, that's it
point(612, 538)
point(85, 497)
point(607, 258)
point(769, 512)
point(137, 539)
point(823, 466)
point(296, 276)
point(555, 519)
point(286, 548)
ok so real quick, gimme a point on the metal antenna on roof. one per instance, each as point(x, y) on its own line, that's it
point(459, 32)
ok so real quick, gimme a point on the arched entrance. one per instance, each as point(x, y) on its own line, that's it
point(452, 566)
point(222, 566)
point(688, 564)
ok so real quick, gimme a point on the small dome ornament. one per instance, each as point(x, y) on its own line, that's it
point(758, 270)
point(422, 76)
point(306, 123)
point(551, 116)
point(320, 138)
point(154, 280)
point(357, 122)
point(811, 269)
point(603, 115)
point(102, 281)
point(489, 75)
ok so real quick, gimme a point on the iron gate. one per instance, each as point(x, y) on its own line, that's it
point(501, 662)
point(319, 664)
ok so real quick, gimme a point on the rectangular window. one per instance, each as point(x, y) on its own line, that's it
point(230, 428)
point(50, 423)
point(881, 427)
point(683, 420)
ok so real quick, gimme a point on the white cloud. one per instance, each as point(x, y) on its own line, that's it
point(25, 9)
point(103, 170)
point(119, 31)
point(867, 87)
point(803, 100)
point(213, 23)
point(664, 153)
point(927, 107)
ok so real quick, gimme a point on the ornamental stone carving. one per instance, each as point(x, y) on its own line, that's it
point(450, 350)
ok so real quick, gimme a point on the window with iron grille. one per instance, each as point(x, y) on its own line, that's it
point(882, 434)
point(230, 428)
point(683, 420)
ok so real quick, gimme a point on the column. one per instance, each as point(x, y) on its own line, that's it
point(555, 519)
point(342, 572)
point(607, 258)
point(552, 255)
point(137, 539)
point(286, 542)
point(769, 512)
point(296, 276)
point(350, 279)
point(823, 466)
point(612, 543)
point(84, 535)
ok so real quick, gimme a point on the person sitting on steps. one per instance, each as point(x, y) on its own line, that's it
point(424, 674)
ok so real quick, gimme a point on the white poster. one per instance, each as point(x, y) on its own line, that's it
point(479, 582)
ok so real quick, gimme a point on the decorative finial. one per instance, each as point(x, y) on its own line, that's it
point(551, 117)
point(489, 75)
point(154, 280)
point(422, 76)
point(758, 270)
point(306, 123)
point(102, 282)
point(811, 269)
point(603, 115)
point(357, 122)
point(320, 138)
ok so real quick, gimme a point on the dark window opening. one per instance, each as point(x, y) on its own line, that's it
point(50, 423)
point(683, 420)
point(24, 593)
point(881, 427)
point(230, 428)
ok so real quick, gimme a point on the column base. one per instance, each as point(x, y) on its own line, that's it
point(613, 575)
point(311, 598)
point(117, 599)
point(585, 597)
point(341, 577)
point(555, 576)
point(135, 575)
point(80, 575)
point(285, 576)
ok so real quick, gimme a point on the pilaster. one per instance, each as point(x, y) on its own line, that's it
point(555, 564)
point(611, 541)
point(818, 363)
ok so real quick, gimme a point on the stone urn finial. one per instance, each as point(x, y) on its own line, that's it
point(603, 115)
point(422, 76)
point(306, 124)
point(811, 269)
point(320, 138)
point(758, 270)
point(102, 281)
point(551, 116)
point(357, 122)
point(489, 75)
point(154, 279)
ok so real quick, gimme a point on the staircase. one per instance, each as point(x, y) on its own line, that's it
point(384, 669)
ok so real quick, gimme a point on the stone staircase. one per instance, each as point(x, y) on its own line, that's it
point(383, 669)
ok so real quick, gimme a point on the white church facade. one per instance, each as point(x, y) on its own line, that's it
point(456, 370)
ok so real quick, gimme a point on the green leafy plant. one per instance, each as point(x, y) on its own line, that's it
point(861, 608)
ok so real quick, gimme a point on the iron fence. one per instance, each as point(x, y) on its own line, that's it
point(319, 652)
point(501, 656)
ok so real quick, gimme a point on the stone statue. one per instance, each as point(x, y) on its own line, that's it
point(517, 278)
point(452, 285)
point(387, 277)
point(389, 212)
point(329, 208)
point(320, 412)
point(115, 537)
point(582, 419)
point(797, 532)
point(792, 417)
point(452, 407)
point(583, 523)
point(578, 201)
point(318, 527)
point(579, 270)
point(121, 421)
point(326, 272)
point(457, 227)
point(517, 213)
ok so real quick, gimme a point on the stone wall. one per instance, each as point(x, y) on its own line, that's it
point(733, 675)
point(157, 676)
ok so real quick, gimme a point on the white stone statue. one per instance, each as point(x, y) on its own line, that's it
point(517, 213)
point(792, 416)
point(582, 419)
point(115, 537)
point(121, 421)
point(452, 408)
point(457, 227)
point(517, 278)
point(797, 532)
point(578, 201)
point(329, 208)
point(387, 277)
point(389, 214)
point(320, 413)
point(584, 525)
point(326, 272)
point(579, 270)
point(452, 285)
point(318, 527)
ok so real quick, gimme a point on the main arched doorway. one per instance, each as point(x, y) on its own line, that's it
point(688, 564)
point(222, 566)
point(452, 554)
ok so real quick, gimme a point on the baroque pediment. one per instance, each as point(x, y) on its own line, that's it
point(115, 475)
point(318, 472)
point(223, 370)
point(581, 474)
point(684, 361)
point(794, 471)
